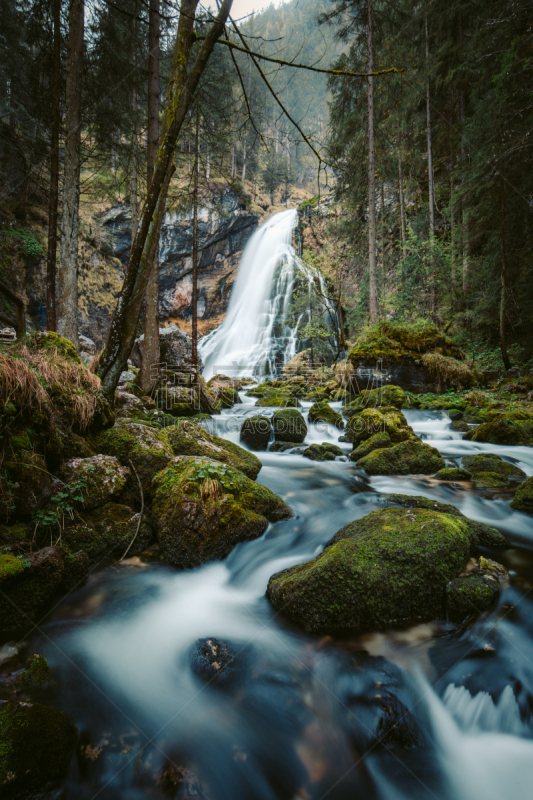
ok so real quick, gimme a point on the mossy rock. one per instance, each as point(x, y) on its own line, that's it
point(146, 448)
point(322, 412)
point(283, 447)
point(490, 462)
point(36, 745)
point(225, 397)
point(260, 390)
point(382, 396)
point(370, 421)
point(490, 480)
point(378, 441)
point(455, 414)
point(186, 400)
point(323, 452)
point(411, 457)
point(470, 595)
point(485, 535)
point(453, 474)
point(279, 398)
point(37, 673)
point(188, 439)
point(504, 431)
point(202, 509)
point(53, 342)
point(385, 569)
point(98, 479)
point(255, 432)
point(289, 426)
point(106, 532)
point(523, 499)
point(460, 426)
point(220, 380)
point(26, 483)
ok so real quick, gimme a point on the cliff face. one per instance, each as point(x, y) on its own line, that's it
point(224, 228)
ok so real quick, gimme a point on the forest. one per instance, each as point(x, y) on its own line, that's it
point(266, 400)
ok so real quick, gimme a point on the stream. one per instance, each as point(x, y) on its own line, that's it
point(300, 719)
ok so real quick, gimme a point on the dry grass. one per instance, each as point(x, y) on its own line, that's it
point(460, 374)
point(210, 489)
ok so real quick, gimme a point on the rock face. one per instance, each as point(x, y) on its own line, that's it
point(176, 349)
point(188, 439)
point(202, 509)
point(389, 567)
point(224, 230)
point(36, 745)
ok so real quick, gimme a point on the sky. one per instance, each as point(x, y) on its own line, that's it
point(241, 8)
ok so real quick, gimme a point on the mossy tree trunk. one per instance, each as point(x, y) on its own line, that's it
point(54, 172)
point(503, 291)
point(182, 87)
point(372, 284)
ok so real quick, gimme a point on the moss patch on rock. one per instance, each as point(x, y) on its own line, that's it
point(411, 457)
point(188, 439)
point(280, 398)
point(378, 441)
point(322, 412)
point(37, 674)
point(97, 479)
point(106, 532)
point(255, 432)
point(453, 474)
point(490, 462)
point(145, 447)
point(323, 452)
point(504, 431)
point(289, 426)
point(523, 499)
point(202, 509)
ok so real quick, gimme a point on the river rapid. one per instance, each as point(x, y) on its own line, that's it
point(303, 719)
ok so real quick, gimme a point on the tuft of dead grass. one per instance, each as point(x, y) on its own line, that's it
point(210, 489)
point(460, 374)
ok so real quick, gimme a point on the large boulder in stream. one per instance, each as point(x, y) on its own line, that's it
point(411, 457)
point(202, 509)
point(505, 430)
point(36, 745)
point(255, 432)
point(289, 425)
point(188, 439)
point(489, 469)
point(323, 412)
point(523, 499)
point(388, 568)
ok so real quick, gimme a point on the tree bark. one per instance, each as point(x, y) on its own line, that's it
point(68, 251)
point(431, 186)
point(181, 91)
point(372, 286)
point(194, 298)
point(151, 354)
point(51, 256)
point(403, 226)
point(134, 142)
point(243, 174)
point(463, 212)
point(503, 291)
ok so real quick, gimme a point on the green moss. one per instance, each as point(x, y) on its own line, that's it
point(255, 432)
point(106, 532)
point(146, 448)
point(489, 462)
point(37, 673)
point(202, 509)
point(188, 439)
point(50, 341)
point(372, 420)
point(378, 441)
point(469, 596)
point(453, 474)
point(9, 565)
point(389, 567)
point(504, 431)
point(289, 426)
point(411, 457)
point(323, 452)
point(322, 412)
point(523, 499)
point(391, 342)
point(280, 398)
point(383, 396)
point(490, 480)
point(36, 745)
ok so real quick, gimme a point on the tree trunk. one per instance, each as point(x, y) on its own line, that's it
point(134, 182)
point(431, 186)
point(372, 287)
point(181, 91)
point(68, 251)
point(503, 297)
point(51, 322)
point(194, 298)
point(151, 346)
point(403, 226)
point(464, 216)
point(243, 175)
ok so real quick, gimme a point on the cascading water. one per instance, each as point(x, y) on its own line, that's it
point(258, 335)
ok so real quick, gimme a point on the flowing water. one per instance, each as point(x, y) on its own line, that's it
point(302, 720)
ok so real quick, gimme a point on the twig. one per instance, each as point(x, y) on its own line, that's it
point(140, 515)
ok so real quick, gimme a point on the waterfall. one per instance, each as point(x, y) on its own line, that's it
point(257, 336)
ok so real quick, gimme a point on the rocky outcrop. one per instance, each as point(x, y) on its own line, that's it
point(176, 349)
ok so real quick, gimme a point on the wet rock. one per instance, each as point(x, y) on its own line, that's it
point(323, 452)
point(283, 447)
point(367, 423)
point(322, 412)
point(144, 447)
point(490, 480)
point(523, 499)
point(388, 396)
point(376, 442)
point(202, 509)
point(219, 380)
point(475, 591)
point(225, 397)
point(411, 457)
point(490, 462)
point(506, 431)
point(255, 432)
point(485, 535)
point(460, 426)
point(36, 674)
point(36, 745)
point(453, 474)
point(187, 398)
point(455, 414)
point(98, 478)
point(188, 439)
point(283, 398)
point(289, 426)
point(107, 531)
point(218, 663)
point(389, 567)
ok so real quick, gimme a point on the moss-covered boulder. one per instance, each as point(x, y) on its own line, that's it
point(289, 426)
point(29, 583)
point(460, 426)
point(490, 462)
point(220, 380)
point(378, 441)
point(36, 745)
point(485, 535)
point(388, 396)
point(411, 457)
point(26, 484)
point(106, 532)
point(202, 509)
point(453, 474)
point(387, 568)
point(280, 398)
point(95, 480)
point(470, 595)
point(255, 432)
point(139, 445)
point(188, 439)
point(259, 390)
point(37, 673)
point(225, 397)
point(323, 452)
point(367, 423)
point(322, 412)
point(504, 431)
point(523, 499)
point(283, 447)
point(186, 399)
